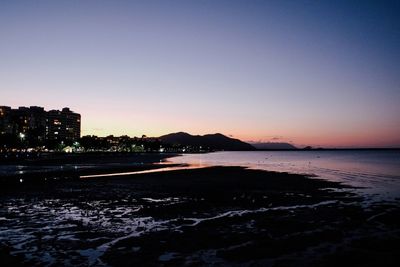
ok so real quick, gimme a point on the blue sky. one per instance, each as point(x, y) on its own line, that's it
point(309, 72)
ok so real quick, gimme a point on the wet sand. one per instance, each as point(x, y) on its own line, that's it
point(220, 216)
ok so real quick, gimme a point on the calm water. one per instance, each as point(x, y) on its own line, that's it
point(376, 171)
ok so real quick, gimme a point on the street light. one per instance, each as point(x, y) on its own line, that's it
point(22, 136)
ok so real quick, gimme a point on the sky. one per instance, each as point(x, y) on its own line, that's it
point(320, 73)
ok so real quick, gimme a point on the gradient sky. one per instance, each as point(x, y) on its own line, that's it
point(309, 72)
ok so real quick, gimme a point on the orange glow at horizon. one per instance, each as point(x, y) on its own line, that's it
point(267, 71)
point(106, 124)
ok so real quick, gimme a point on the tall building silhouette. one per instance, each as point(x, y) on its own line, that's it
point(35, 126)
point(64, 125)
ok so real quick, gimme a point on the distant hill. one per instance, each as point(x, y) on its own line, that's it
point(213, 141)
point(273, 146)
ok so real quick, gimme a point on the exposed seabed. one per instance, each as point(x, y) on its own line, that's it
point(220, 216)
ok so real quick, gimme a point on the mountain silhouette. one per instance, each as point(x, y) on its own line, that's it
point(209, 141)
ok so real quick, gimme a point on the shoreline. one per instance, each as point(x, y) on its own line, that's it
point(55, 158)
point(64, 167)
point(213, 215)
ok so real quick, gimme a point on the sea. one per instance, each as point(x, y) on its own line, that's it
point(48, 230)
point(373, 173)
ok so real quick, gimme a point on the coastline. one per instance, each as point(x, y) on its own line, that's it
point(57, 158)
point(213, 215)
point(72, 166)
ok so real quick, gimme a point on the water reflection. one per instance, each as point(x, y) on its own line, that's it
point(377, 171)
point(164, 169)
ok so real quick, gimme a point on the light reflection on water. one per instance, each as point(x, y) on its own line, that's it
point(164, 169)
point(377, 171)
point(6, 170)
point(51, 230)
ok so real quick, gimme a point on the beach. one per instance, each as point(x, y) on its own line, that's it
point(220, 216)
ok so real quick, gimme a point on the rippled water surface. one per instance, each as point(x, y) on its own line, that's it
point(377, 171)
